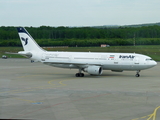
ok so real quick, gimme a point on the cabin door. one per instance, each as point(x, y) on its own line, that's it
point(136, 60)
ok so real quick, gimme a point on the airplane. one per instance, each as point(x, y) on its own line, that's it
point(91, 62)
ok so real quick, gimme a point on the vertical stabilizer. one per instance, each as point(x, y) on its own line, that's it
point(28, 43)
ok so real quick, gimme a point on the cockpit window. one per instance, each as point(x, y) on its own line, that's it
point(149, 59)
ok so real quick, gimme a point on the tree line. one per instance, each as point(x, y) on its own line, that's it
point(84, 36)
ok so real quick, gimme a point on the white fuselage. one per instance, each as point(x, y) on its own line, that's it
point(108, 61)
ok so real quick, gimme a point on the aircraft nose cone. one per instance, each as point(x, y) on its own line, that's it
point(155, 63)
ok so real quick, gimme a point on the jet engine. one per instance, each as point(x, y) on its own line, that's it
point(94, 70)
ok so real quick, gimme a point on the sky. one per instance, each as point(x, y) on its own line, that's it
point(78, 12)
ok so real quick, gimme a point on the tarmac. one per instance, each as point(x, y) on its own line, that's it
point(39, 92)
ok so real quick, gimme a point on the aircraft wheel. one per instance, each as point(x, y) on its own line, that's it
point(79, 75)
point(137, 75)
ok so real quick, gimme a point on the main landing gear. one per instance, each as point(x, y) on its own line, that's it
point(137, 74)
point(79, 74)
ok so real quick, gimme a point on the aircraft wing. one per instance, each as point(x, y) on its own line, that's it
point(76, 64)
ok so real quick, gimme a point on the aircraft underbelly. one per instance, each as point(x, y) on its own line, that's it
point(62, 65)
point(119, 67)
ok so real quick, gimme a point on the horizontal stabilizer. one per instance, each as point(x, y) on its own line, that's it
point(26, 54)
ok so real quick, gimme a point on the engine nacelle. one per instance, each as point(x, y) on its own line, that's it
point(94, 70)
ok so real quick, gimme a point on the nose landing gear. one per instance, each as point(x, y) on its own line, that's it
point(137, 74)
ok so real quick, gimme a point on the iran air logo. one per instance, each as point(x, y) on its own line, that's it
point(25, 40)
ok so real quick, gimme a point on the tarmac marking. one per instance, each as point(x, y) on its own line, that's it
point(39, 87)
point(60, 82)
point(151, 116)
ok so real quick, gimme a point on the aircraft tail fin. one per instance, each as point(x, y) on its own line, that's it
point(28, 43)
